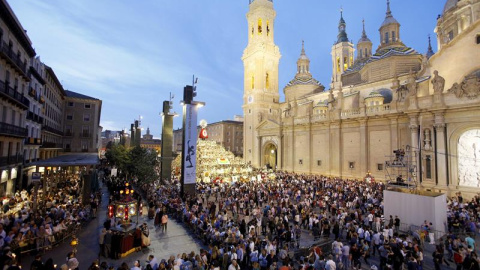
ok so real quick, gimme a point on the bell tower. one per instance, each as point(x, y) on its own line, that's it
point(342, 54)
point(260, 61)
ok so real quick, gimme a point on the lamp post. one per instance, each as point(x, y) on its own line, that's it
point(167, 140)
point(189, 145)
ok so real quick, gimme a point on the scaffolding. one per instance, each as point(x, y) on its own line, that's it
point(401, 168)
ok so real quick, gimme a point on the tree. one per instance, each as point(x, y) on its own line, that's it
point(118, 156)
point(143, 164)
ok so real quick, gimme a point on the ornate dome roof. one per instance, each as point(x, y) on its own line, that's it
point(389, 19)
point(449, 5)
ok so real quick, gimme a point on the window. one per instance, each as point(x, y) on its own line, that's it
point(86, 117)
point(69, 117)
point(351, 165)
point(87, 106)
point(259, 26)
point(70, 104)
point(338, 64)
point(379, 167)
point(450, 35)
point(345, 63)
point(478, 39)
point(393, 36)
point(268, 28)
point(428, 166)
point(386, 38)
point(300, 161)
point(319, 163)
point(267, 81)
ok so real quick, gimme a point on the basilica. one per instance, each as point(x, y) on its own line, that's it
point(389, 113)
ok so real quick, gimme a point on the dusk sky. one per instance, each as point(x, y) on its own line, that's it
point(131, 54)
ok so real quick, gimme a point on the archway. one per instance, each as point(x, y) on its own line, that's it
point(270, 156)
point(469, 158)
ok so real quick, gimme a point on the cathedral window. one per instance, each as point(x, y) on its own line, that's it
point(259, 26)
point(450, 35)
point(386, 38)
point(393, 36)
point(253, 81)
point(268, 28)
point(428, 166)
point(351, 60)
point(366, 52)
point(338, 64)
point(345, 63)
point(253, 30)
point(478, 39)
point(267, 81)
point(360, 52)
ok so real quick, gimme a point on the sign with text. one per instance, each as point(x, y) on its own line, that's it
point(190, 145)
point(36, 177)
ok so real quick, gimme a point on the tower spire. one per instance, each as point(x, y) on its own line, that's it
point(430, 52)
point(303, 47)
point(389, 12)
point(342, 35)
point(364, 34)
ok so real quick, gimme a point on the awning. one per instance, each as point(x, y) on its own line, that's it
point(79, 159)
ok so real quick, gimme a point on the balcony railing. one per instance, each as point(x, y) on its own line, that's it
point(33, 141)
point(36, 74)
point(51, 145)
point(12, 130)
point(34, 117)
point(6, 51)
point(52, 130)
point(11, 160)
point(13, 95)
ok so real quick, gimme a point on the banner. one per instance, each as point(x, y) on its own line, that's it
point(190, 145)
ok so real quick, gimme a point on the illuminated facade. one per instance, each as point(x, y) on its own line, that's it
point(379, 101)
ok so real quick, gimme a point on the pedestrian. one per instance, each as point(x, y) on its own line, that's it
point(107, 244)
point(101, 242)
point(136, 265)
point(397, 224)
point(164, 222)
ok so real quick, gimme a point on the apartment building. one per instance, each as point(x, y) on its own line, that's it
point(82, 123)
point(15, 53)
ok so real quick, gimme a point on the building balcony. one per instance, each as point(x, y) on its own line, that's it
point(37, 75)
point(13, 95)
point(7, 53)
point(11, 160)
point(12, 130)
point(34, 117)
point(51, 145)
point(52, 130)
point(33, 141)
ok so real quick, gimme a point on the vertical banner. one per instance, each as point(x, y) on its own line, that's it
point(190, 145)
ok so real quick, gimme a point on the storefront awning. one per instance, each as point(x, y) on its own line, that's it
point(80, 159)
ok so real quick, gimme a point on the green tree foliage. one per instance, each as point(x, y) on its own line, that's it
point(143, 164)
point(118, 156)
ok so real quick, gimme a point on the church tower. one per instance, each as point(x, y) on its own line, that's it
point(364, 46)
point(390, 31)
point(260, 60)
point(342, 54)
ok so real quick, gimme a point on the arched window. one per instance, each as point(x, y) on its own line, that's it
point(259, 26)
point(253, 81)
point(393, 36)
point(478, 39)
point(345, 63)
point(338, 64)
point(268, 28)
point(386, 38)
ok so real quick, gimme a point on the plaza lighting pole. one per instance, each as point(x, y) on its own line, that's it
point(167, 141)
point(189, 140)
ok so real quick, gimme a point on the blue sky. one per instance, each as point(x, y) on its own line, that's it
point(133, 53)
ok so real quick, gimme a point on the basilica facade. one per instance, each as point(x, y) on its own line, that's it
point(388, 112)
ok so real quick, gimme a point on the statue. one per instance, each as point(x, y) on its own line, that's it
point(438, 83)
point(412, 84)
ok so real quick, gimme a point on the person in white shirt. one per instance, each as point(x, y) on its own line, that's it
point(234, 265)
point(136, 265)
point(153, 262)
point(330, 264)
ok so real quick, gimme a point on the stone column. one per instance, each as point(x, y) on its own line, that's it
point(364, 159)
point(336, 149)
point(440, 151)
point(414, 146)
point(393, 134)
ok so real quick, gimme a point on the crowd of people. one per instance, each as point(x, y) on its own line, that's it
point(262, 224)
point(29, 226)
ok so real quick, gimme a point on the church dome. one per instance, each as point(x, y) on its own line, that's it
point(449, 5)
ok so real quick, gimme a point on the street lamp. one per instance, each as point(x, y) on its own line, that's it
point(189, 146)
